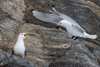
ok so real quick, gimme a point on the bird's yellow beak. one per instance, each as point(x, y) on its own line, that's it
point(58, 26)
point(26, 34)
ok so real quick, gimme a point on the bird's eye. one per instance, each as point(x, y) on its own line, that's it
point(60, 23)
point(22, 34)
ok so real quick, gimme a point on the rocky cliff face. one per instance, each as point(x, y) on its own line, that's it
point(47, 46)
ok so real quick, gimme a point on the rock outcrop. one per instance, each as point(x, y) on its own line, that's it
point(47, 46)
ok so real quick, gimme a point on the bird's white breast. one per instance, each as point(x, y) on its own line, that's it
point(19, 48)
point(72, 30)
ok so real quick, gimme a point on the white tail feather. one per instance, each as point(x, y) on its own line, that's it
point(91, 36)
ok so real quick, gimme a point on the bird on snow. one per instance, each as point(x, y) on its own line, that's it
point(19, 47)
point(71, 26)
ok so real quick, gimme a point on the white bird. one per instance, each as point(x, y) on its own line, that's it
point(74, 30)
point(19, 47)
point(56, 17)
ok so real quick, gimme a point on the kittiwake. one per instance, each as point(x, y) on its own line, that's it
point(19, 47)
point(56, 17)
point(74, 30)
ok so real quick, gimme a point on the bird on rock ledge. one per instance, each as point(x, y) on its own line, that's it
point(19, 47)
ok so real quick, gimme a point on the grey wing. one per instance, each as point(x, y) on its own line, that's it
point(78, 28)
point(53, 18)
point(65, 17)
point(12, 51)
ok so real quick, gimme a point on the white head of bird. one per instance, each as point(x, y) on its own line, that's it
point(63, 23)
point(22, 36)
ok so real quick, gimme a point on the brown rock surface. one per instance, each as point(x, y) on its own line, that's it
point(46, 45)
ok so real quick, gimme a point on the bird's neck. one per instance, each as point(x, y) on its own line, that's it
point(20, 41)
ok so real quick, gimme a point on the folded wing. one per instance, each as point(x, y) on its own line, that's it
point(78, 29)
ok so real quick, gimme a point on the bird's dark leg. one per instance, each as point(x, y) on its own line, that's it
point(73, 37)
point(76, 38)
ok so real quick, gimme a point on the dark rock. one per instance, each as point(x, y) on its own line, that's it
point(7, 60)
point(10, 61)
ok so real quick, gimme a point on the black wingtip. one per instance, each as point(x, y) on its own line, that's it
point(12, 52)
point(53, 6)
